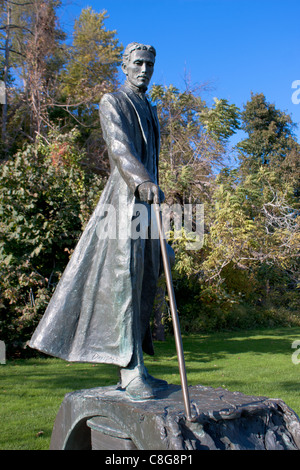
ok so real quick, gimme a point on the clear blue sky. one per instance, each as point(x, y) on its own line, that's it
point(238, 46)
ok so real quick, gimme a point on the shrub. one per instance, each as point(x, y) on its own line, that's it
point(45, 200)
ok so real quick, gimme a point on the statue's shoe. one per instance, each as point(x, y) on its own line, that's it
point(155, 384)
point(138, 389)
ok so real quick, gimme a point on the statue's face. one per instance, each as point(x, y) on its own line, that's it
point(139, 69)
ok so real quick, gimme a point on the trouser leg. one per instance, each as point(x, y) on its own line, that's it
point(145, 269)
point(136, 364)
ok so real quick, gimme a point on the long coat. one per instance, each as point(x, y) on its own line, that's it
point(109, 281)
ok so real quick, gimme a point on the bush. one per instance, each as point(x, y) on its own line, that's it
point(211, 308)
point(45, 201)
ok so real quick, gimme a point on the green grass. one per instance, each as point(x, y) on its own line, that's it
point(257, 362)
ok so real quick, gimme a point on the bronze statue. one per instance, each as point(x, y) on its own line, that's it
point(101, 308)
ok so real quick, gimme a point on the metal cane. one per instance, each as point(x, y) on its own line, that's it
point(173, 307)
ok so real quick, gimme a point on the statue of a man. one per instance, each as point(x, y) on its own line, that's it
point(100, 310)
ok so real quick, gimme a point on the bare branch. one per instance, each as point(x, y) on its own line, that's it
point(12, 50)
point(15, 26)
point(20, 4)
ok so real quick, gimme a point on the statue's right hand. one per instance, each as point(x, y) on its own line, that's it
point(150, 192)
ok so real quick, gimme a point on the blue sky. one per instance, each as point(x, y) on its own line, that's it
point(236, 46)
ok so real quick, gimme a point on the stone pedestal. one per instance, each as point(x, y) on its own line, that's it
point(105, 418)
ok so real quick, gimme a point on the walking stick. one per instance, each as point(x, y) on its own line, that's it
point(173, 307)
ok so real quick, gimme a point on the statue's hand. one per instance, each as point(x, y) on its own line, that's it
point(151, 193)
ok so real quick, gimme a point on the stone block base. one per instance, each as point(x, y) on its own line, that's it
point(105, 418)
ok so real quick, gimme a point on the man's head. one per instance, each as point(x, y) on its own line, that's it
point(138, 64)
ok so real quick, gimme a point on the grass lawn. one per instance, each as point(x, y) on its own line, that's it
point(257, 362)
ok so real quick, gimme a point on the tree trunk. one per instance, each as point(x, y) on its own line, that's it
point(6, 69)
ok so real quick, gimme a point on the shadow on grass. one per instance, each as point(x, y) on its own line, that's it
point(55, 374)
point(215, 346)
point(266, 354)
point(200, 351)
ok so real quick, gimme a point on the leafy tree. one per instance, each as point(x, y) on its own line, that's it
point(270, 142)
point(91, 70)
point(221, 120)
point(193, 145)
point(270, 157)
point(250, 255)
point(93, 59)
point(193, 141)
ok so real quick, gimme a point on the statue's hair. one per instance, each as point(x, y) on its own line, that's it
point(133, 46)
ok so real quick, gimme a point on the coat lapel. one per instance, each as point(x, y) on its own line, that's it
point(137, 106)
point(134, 100)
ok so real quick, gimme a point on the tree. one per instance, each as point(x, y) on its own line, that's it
point(5, 61)
point(254, 235)
point(193, 146)
point(40, 48)
point(93, 59)
point(270, 154)
point(56, 84)
point(221, 120)
point(270, 142)
point(91, 70)
point(32, 41)
point(250, 254)
point(193, 141)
